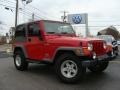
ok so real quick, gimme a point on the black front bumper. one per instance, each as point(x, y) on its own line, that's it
point(92, 62)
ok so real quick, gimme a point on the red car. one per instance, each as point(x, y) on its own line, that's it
point(53, 42)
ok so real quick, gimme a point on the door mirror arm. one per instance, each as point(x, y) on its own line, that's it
point(40, 36)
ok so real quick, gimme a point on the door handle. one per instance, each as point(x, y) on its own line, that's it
point(29, 39)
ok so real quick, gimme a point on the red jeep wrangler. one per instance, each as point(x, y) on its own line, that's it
point(56, 43)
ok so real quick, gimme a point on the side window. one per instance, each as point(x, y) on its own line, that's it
point(20, 33)
point(33, 30)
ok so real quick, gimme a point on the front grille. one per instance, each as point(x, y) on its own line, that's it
point(98, 47)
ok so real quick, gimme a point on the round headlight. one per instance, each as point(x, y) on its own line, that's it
point(90, 47)
point(105, 45)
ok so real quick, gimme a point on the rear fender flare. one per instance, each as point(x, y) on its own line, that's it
point(22, 48)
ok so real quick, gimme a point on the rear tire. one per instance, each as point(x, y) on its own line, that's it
point(69, 69)
point(20, 61)
point(99, 67)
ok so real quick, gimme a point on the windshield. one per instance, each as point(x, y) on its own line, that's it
point(58, 28)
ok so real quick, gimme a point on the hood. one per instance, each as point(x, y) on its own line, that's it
point(69, 41)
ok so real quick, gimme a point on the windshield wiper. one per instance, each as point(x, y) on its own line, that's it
point(64, 32)
point(51, 32)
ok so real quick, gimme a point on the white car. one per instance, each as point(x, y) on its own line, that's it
point(118, 42)
point(110, 40)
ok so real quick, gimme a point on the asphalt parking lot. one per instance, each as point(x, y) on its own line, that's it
point(42, 77)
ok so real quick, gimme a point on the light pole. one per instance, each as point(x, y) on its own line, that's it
point(64, 17)
point(16, 13)
point(25, 2)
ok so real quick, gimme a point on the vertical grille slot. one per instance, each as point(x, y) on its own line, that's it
point(98, 48)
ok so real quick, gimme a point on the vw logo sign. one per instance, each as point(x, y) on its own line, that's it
point(77, 19)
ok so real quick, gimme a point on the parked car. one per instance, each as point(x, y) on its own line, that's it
point(55, 43)
point(110, 40)
point(118, 42)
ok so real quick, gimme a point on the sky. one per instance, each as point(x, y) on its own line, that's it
point(101, 13)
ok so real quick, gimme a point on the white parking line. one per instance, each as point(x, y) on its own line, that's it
point(115, 62)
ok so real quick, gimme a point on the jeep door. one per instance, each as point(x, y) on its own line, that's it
point(34, 43)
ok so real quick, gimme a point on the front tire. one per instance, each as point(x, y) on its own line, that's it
point(69, 69)
point(20, 61)
point(99, 67)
